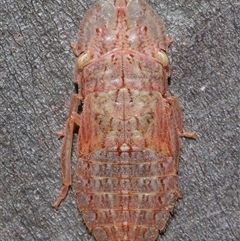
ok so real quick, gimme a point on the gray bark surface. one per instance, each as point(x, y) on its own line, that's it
point(36, 73)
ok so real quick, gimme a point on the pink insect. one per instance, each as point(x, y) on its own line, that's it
point(128, 138)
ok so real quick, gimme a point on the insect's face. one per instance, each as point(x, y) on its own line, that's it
point(122, 25)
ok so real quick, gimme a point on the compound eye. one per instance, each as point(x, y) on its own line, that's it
point(83, 60)
point(162, 58)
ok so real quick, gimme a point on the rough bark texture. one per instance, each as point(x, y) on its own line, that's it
point(36, 71)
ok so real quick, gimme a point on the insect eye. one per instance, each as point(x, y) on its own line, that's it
point(83, 59)
point(162, 58)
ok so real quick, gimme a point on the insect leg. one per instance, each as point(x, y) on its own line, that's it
point(177, 117)
point(73, 119)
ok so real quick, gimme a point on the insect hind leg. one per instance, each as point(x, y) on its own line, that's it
point(74, 119)
point(176, 112)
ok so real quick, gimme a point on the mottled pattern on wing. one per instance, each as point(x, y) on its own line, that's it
point(128, 142)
